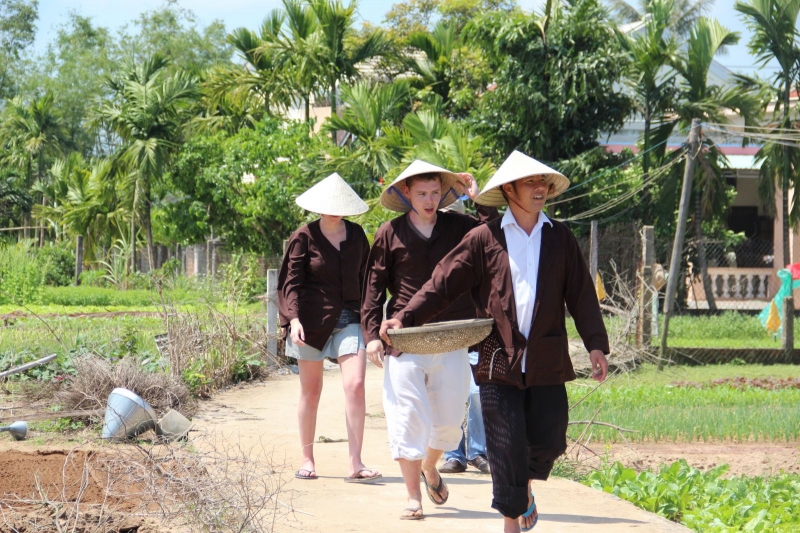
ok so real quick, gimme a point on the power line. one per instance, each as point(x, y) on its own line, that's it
point(655, 175)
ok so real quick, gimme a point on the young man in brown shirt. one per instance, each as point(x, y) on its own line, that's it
point(521, 270)
point(424, 395)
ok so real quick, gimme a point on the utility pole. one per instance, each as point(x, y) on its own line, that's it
point(680, 232)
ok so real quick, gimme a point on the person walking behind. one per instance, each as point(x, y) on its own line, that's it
point(472, 448)
point(523, 271)
point(319, 299)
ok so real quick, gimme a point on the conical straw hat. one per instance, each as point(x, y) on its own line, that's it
point(518, 166)
point(332, 196)
point(393, 198)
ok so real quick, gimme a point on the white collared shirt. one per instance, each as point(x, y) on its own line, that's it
point(524, 252)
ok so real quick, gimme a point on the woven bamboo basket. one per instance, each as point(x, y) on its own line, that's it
point(441, 337)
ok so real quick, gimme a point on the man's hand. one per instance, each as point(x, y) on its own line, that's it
point(298, 335)
point(599, 365)
point(392, 323)
point(375, 353)
point(470, 185)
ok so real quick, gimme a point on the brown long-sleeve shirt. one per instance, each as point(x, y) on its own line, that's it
point(317, 281)
point(401, 260)
point(479, 266)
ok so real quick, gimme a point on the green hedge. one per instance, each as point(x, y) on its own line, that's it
point(98, 296)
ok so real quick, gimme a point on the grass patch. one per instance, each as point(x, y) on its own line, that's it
point(728, 330)
point(706, 501)
point(646, 401)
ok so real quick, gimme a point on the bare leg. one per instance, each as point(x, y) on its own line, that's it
point(410, 471)
point(310, 391)
point(353, 368)
point(429, 468)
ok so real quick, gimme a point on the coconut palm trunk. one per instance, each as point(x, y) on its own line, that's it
point(702, 260)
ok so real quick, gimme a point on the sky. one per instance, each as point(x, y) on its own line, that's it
point(114, 14)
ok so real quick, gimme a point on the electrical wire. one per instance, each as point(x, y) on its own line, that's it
point(655, 175)
point(611, 169)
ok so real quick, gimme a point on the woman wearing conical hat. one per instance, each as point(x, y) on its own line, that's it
point(523, 270)
point(423, 395)
point(319, 298)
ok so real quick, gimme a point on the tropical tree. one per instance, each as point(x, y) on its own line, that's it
point(342, 53)
point(30, 132)
point(260, 76)
point(775, 37)
point(682, 18)
point(651, 78)
point(370, 109)
point(300, 42)
point(148, 112)
point(699, 99)
point(558, 80)
point(438, 47)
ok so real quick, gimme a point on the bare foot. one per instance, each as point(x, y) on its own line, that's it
point(413, 511)
point(526, 522)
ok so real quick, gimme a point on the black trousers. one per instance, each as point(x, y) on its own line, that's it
point(526, 431)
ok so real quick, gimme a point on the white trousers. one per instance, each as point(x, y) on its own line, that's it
point(424, 398)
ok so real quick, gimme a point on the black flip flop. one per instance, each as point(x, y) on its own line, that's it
point(436, 490)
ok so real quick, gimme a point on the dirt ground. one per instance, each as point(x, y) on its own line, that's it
point(751, 459)
point(263, 415)
point(36, 485)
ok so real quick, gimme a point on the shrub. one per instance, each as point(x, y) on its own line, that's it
point(22, 273)
point(93, 278)
point(96, 377)
point(60, 261)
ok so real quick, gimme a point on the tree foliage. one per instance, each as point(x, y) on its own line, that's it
point(557, 81)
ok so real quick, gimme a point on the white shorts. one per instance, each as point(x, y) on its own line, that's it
point(424, 398)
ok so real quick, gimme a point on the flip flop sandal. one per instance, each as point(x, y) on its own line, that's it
point(436, 490)
point(414, 516)
point(358, 478)
point(305, 474)
point(529, 512)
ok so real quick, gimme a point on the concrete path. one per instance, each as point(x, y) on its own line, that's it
point(264, 414)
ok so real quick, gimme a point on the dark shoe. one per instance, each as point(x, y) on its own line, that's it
point(453, 466)
point(481, 464)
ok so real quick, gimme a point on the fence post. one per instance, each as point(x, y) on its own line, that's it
point(787, 329)
point(78, 259)
point(593, 245)
point(677, 245)
point(647, 293)
point(272, 312)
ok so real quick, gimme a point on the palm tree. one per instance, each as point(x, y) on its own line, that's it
point(652, 77)
point(370, 109)
point(708, 102)
point(300, 43)
point(438, 47)
point(261, 76)
point(31, 132)
point(682, 18)
point(341, 55)
point(148, 113)
point(774, 27)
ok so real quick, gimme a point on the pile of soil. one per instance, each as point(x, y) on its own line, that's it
point(36, 487)
point(743, 383)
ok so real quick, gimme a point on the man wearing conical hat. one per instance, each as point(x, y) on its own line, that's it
point(423, 395)
point(319, 299)
point(523, 270)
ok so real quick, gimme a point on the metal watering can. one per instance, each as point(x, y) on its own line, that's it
point(18, 430)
